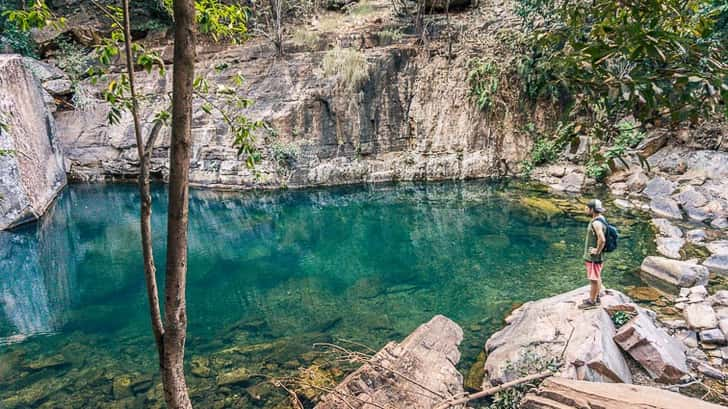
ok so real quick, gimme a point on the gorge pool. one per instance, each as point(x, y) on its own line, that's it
point(270, 274)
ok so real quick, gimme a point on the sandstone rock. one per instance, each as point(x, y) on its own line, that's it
point(618, 189)
point(669, 246)
point(723, 325)
point(690, 196)
point(666, 228)
point(31, 177)
point(689, 338)
point(623, 204)
point(699, 291)
point(720, 223)
point(674, 272)
point(713, 163)
point(712, 336)
point(542, 328)
point(697, 214)
point(700, 316)
point(572, 182)
point(637, 181)
point(428, 356)
point(705, 369)
point(560, 393)
point(660, 354)
point(718, 247)
point(696, 235)
point(717, 263)
point(659, 187)
point(44, 71)
point(720, 298)
point(665, 207)
point(58, 87)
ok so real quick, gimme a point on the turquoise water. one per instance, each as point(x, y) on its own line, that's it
point(270, 274)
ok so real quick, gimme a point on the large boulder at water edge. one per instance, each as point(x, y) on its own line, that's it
point(566, 393)
point(417, 373)
point(555, 327)
point(673, 273)
point(31, 163)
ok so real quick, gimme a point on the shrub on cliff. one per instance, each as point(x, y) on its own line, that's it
point(348, 66)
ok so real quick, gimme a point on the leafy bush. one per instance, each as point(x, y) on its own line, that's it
point(547, 148)
point(72, 58)
point(19, 41)
point(285, 154)
point(348, 66)
point(483, 78)
point(648, 58)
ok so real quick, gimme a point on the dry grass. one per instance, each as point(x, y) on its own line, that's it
point(348, 66)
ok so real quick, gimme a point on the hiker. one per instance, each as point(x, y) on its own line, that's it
point(594, 251)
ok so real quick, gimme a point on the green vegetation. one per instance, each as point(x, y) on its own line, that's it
point(16, 22)
point(222, 21)
point(348, 66)
point(389, 35)
point(546, 148)
point(285, 154)
point(621, 317)
point(529, 363)
point(658, 61)
point(483, 78)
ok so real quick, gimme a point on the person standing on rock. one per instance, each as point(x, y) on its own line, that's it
point(594, 251)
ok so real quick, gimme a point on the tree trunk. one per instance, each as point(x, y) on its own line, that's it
point(144, 192)
point(175, 312)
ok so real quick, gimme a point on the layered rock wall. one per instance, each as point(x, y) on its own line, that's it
point(31, 163)
point(411, 120)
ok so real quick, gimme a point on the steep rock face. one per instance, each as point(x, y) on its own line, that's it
point(31, 170)
point(411, 120)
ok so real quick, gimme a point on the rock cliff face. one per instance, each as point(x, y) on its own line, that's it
point(31, 163)
point(411, 120)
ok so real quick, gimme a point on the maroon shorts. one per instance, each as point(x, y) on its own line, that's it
point(593, 270)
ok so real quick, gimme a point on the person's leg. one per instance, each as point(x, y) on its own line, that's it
point(594, 290)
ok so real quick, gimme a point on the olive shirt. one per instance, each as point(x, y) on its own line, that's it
point(591, 240)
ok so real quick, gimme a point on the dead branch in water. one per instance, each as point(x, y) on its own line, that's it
point(493, 390)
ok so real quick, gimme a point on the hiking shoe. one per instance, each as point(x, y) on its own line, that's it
point(588, 305)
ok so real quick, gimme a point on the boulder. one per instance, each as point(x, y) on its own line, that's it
point(623, 204)
point(657, 352)
point(718, 247)
point(560, 393)
point(674, 273)
point(712, 336)
point(58, 87)
point(697, 214)
point(719, 223)
point(665, 207)
point(696, 235)
point(717, 263)
point(659, 187)
point(573, 182)
point(670, 246)
point(720, 298)
point(700, 316)
point(666, 228)
point(428, 356)
point(637, 181)
point(690, 196)
point(554, 327)
point(33, 173)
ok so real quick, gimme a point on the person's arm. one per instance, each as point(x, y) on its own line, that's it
point(601, 239)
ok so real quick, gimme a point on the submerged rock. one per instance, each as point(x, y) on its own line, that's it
point(33, 173)
point(566, 393)
point(554, 326)
point(428, 356)
point(674, 273)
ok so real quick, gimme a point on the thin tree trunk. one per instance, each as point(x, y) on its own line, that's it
point(175, 312)
point(144, 193)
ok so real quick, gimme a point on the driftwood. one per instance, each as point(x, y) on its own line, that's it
point(492, 391)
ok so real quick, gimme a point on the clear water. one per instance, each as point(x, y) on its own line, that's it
point(270, 274)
